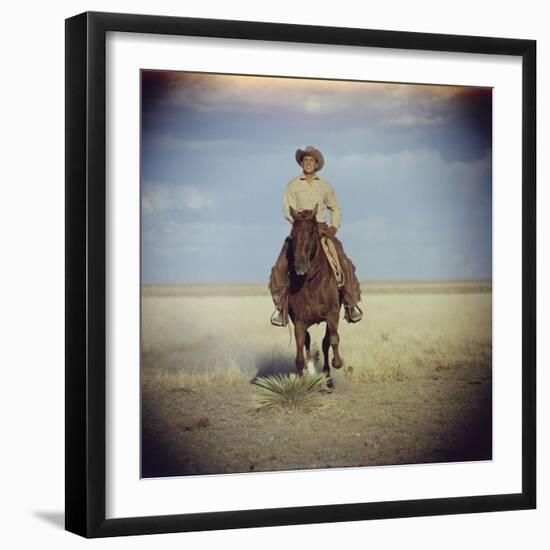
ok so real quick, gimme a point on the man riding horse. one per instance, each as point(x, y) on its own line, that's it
point(309, 192)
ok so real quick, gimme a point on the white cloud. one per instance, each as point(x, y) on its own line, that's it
point(313, 104)
point(209, 93)
point(170, 238)
point(159, 197)
point(408, 120)
point(374, 229)
point(420, 163)
point(172, 143)
point(369, 160)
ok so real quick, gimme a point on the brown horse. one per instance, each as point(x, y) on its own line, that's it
point(313, 292)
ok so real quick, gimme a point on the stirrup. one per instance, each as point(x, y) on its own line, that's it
point(353, 314)
point(278, 318)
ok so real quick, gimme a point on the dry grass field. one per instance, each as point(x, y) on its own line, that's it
point(415, 388)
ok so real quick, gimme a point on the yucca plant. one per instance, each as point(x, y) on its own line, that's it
point(288, 391)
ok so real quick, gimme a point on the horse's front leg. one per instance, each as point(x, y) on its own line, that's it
point(300, 335)
point(334, 339)
point(309, 358)
point(326, 365)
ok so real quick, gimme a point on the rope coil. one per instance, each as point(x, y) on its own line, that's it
point(332, 257)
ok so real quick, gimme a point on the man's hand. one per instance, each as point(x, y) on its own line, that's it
point(324, 229)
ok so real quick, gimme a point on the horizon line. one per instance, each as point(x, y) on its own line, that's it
point(369, 281)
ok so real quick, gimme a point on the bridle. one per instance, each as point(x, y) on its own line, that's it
point(312, 250)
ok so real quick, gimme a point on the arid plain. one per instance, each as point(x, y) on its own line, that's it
point(416, 386)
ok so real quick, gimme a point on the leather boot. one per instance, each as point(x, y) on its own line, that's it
point(353, 314)
point(279, 318)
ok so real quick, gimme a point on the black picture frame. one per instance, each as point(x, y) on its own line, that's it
point(86, 273)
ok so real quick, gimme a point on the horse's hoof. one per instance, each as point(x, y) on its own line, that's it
point(337, 364)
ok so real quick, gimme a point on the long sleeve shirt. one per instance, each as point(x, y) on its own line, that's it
point(302, 194)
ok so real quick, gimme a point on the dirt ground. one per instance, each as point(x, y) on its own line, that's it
point(205, 431)
point(419, 390)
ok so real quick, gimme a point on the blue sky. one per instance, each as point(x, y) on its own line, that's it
point(410, 164)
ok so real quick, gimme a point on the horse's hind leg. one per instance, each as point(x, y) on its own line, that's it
point(326, 366)
point(309, 360)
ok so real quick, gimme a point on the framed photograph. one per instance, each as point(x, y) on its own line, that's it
point(300, 274)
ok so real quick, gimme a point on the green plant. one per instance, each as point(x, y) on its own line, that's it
point(288, 391)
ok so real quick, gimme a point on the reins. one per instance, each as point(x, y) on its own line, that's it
point(311, 274)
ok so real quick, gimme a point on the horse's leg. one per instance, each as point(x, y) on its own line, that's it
point(326, 366)
point(309, 360)
point(300, 335)
point(332, 324)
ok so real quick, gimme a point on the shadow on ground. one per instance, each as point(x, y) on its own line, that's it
point(476, 440)
point(57, 519)
point(272, 366)
point(159, 458)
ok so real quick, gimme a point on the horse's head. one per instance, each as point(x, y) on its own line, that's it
point(304, 238)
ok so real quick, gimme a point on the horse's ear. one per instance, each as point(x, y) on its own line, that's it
point(292, 212)
point(315, 210)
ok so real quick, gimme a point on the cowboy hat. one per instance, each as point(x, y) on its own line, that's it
point(309, 150)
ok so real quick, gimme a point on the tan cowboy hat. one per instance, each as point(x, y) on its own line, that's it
point(309, 150)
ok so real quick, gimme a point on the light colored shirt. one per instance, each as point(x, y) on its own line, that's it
point(302, 194)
